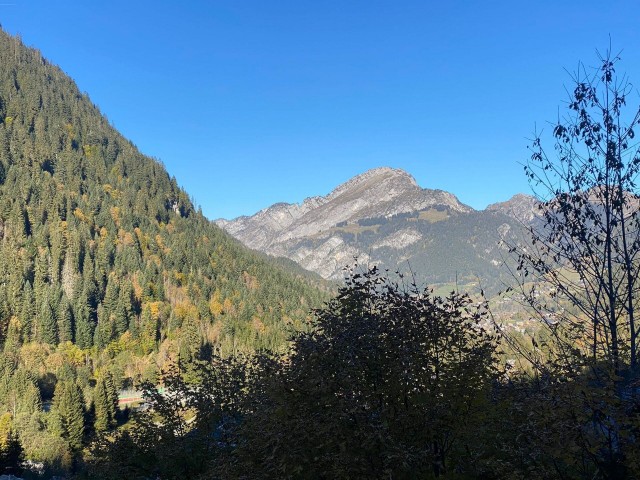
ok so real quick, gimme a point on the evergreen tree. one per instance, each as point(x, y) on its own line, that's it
point(47, 325)
point(83, 326)
point(69, 274)
point(58, 246)
point(90, 295)
point(41, 275)
point(30, 400)
point(23, 394)
point(11, 456)
point(65, 320)
point(101, 405)
point(19, 225)
point(127, 300)
point(104, 329)
point(28, 312)
point(121, 318)
point(149, 332)
point(112, 398)
point(110, 300)
point(68, 414)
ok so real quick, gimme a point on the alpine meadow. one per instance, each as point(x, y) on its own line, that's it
point(383, 331)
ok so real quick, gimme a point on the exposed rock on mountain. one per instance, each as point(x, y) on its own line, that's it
point(381, 192)
point(384, 217)
point(521, 207)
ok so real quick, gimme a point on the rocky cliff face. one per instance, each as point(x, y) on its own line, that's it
point(381, 192)
point(384, 217)
point(521, 207)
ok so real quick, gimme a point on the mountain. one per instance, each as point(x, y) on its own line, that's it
point(381, 192)
point(384, 217)
point(109, 273)
point(521, 207)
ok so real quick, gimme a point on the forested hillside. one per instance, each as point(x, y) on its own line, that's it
point(107, 270)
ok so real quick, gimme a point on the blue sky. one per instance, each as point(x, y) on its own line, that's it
point(248, 103)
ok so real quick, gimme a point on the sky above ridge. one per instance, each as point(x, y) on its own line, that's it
point(249, 103)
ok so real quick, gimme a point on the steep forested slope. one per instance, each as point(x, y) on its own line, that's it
point(106, 268)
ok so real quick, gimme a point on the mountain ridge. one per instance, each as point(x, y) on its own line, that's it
point(374, 216)
point(381, 191)
point(521, 206)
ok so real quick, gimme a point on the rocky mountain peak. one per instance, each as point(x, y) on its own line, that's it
point(380, 193)
point(522, 207)
point(375, 177)
point(376, 185)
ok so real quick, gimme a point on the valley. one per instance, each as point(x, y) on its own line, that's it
point(380, 331)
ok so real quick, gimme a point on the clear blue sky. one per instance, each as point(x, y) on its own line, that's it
point(248, 103)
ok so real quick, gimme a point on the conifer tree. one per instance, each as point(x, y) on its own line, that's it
point(149, 332)
point(11, 455)
point(19, 225)
point(41, 275)
point(90, 295)
point(65, 320)
point(101, 405)
point(83, 325)
point(27, 312)
point(30, 399)
point(112, 397)
point(121, 318)
point(47, 328)
point(22, 394)
point(126, 299)
point(104, 332)
point(110, 300)
point(4, 154)
point(68, 413)
point(16, 280)
point(69, 274)
point(58, 245)
point(104, 261)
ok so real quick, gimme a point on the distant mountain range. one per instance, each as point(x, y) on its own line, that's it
point(384, 217)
